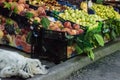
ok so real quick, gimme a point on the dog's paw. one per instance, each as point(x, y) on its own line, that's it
point(25, 76)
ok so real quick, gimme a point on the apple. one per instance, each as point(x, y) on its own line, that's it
point(20, 8)
point(76, 26)
point(81, 31)
point(66, 30)
point(26, 6)
point(67, 25)
point(41, 11)
point(73, 32)
point(1, 1)
point(54, 27)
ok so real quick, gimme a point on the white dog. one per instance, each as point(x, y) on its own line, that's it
point(14, 64)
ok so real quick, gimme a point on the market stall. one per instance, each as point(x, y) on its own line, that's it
point(57, 30)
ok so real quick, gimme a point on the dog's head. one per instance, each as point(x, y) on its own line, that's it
point(36, 67)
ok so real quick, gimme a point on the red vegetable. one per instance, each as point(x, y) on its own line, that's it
point(76, 26)
point(67, 25)
point(81, 31)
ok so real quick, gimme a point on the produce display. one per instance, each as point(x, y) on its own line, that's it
point(66, 27)
point(98, 28)
point(80, 17)
point(23, 9)
point(50, 4)
point(105, 12)
point(21, 37)
point(11, 34)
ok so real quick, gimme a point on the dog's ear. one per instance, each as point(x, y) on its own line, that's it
point(28, 67)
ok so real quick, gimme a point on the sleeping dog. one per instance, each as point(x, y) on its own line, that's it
point(14, 64)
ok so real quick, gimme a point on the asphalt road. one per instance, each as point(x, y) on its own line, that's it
point(107, 68)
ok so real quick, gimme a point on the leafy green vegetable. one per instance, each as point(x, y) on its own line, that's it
point(9, 22)
point(113, 26)
point(15, 10)
point(45, 22)
point(113, 34)
point(99, 39)
point(17, 30)
point(69, 36)
point(35, 22)
point(7, 5)
point(29, 15)
point(78, 49)
point(29, 37)
point(91, 54)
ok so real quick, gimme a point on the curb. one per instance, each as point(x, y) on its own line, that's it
point(61, 71)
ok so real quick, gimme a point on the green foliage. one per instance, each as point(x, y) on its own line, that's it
point(113, 26)
point(93, 38)
point(35, 22)
point(7, 5)
point(17, 30)
point(15, 10)
point(99, 39)
point(9, 21)
point(83, 45)
point(91, 54)
point(28, 15)
point(69, 36)
point(78, 49)
point(45, 22)
point(28, 39)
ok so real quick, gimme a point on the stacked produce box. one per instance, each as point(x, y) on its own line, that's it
point(56, 30)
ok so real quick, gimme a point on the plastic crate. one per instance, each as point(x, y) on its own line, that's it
point(51, 45)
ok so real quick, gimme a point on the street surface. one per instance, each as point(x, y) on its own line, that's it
point(107, 68)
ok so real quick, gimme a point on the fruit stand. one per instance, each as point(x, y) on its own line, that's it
point(57, 30)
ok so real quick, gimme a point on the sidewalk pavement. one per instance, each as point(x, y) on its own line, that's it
point(107, 68)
